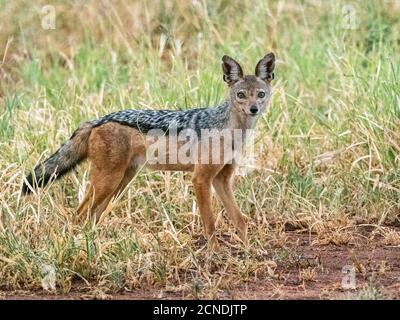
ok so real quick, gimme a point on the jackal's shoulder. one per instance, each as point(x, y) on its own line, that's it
point(168, 120)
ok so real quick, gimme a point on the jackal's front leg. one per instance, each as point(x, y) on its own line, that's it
point(223, 186)
point(203, 176)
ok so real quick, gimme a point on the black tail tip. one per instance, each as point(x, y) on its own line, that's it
point(26, 189)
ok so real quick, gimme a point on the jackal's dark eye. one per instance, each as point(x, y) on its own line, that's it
point(261, 94)
point(240, 95)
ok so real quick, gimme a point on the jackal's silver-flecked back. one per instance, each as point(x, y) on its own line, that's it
point(170, 120)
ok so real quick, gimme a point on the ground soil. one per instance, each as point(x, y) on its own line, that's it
point(313, 271)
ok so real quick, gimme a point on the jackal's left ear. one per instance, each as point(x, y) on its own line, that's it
point(265, 67)
point(232, 70)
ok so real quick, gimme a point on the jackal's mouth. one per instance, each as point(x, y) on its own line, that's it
point(250, 114)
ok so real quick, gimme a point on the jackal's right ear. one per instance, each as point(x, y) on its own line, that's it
point(232, 70)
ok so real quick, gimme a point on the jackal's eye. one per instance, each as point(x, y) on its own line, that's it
point(240, 95)
point(261, 94)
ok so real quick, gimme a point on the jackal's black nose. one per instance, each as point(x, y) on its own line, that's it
point(254, 109)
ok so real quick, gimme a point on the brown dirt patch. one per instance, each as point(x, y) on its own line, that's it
point(305, 269)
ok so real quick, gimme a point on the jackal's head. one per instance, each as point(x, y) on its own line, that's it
point(249, 94)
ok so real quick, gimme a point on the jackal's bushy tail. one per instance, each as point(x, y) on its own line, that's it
point(69, 155)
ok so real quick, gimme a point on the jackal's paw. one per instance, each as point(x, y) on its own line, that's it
point(213, 244)
point(242, 233)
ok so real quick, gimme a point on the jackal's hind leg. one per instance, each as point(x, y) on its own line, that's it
point(102, 187)
point(110, 153)
point(130, 173)
point(95, 204)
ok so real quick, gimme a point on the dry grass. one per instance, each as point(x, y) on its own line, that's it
point(327, 150)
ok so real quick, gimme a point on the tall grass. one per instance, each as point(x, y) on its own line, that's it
point(328, 147)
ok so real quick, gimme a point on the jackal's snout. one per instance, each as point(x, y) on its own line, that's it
point(254, 109)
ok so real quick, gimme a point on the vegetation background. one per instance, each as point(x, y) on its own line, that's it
point(328, 148)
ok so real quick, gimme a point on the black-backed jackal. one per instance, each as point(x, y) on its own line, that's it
point(117, 146)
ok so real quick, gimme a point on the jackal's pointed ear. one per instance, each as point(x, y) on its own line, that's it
point(232, 70)
point(265, 67)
